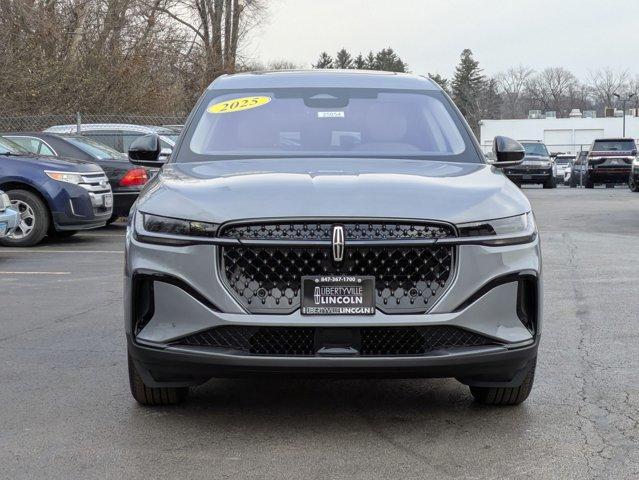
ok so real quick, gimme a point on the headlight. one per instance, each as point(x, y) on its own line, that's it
point(507, 231)
point(69, 177)
point(172, 231)
point(635, 162)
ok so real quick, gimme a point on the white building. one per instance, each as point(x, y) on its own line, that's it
point(559, 134)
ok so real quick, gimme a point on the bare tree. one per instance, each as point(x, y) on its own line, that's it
point(512, 85)
point(605, 83)
point(552, 87)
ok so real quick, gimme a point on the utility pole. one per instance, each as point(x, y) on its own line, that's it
point(623, 106)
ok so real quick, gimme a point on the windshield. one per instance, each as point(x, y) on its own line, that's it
point(563, 160)
point(535, 148)
point(614, 146)
point(335, 122)
point(95, 149)
point(7, 146)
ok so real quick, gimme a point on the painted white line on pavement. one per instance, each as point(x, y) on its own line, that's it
point(99, 235)
point(21, 250)
point(35, 273)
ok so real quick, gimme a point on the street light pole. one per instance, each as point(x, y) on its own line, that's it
point(623, 106)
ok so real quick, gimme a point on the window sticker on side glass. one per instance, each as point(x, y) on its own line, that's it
point(330, 114)
point(238, 104)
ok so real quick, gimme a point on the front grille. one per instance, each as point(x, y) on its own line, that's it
point(352, 231)
point(306, 341)
point(268, 279)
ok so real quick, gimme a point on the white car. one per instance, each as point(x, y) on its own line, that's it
point(563, 163)
point(9, 218)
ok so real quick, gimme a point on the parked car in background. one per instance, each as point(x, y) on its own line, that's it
point(119, 135)
point(609, 161)
point(125, 178)
point(577, 170)
point(537, 166)
point(9, 217)
point(53, 196)
point(563, 163)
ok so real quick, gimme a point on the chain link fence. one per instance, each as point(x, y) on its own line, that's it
point(37, 123)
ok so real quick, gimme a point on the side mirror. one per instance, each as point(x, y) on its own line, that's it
point(145, 151)
point(508, 152)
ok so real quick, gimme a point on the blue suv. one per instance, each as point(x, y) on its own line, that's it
point(53, 196)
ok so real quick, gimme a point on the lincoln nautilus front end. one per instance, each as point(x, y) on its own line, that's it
point(331, 224)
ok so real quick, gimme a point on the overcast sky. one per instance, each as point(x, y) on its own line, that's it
point(581, 35)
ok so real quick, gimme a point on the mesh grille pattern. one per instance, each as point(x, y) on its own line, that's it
point(407, 279)
point(353, 231)
point(300, 341)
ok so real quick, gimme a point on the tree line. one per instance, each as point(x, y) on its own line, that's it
point(116, 56)
point(512, 93)
point(156, 57)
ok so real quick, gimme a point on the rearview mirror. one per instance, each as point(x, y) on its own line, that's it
point(508, 152)
point(145, 151)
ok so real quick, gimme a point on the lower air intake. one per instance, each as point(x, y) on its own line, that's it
point(304, 341)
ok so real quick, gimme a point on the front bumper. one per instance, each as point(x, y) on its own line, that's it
point(190, 297)
point(609, 175)
point(529, 175)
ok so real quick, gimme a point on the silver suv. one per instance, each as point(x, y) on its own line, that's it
point(331, 223)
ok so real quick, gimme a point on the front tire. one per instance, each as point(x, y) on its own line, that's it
point(505, 395)
point(632, 184)
point(551, 182)
point(34, 219)
point(153, 396)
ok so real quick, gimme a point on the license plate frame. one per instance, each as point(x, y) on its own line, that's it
point(337, 295)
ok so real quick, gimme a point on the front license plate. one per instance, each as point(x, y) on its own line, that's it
point(527, 177)
point(338, 295)
point(108, 201)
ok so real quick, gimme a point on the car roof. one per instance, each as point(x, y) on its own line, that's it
point(72, 128)
point(326, 78)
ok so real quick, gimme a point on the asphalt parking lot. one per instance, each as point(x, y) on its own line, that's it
point(66, 411)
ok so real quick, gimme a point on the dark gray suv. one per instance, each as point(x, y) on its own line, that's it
point(331, 223)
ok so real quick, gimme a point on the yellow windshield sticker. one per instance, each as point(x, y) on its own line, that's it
point(238, 104)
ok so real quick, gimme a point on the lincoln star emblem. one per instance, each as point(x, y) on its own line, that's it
point(338, 243)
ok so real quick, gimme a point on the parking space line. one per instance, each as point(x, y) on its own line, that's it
point(35, 273)
point(21, 250)
point(121, 235)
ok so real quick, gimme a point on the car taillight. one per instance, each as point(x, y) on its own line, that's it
point(134, 178)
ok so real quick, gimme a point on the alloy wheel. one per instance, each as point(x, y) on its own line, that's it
point(27, 220)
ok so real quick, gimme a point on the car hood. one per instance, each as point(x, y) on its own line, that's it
point(57, 163)
point(226, 190)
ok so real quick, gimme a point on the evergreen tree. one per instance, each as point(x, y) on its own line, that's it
point(387, 60)
point(439, 80)
point(324, 61)
point(467, 88)
point(371, 63)
point(343, 59)
point(359, 62)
